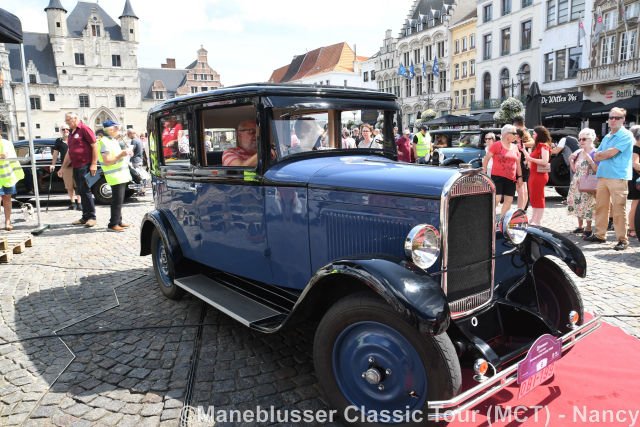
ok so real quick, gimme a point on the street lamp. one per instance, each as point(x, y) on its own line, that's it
point(506, 83)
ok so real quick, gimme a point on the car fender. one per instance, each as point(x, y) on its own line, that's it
point(409, 290)
point(157, 220)
point(452, 161)
point(542, 241)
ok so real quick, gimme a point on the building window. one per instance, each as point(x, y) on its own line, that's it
point(95, 30)
point(428, 53)
point(365, 76)
point(194, 89)
point(464, 44)
point(486, 86)
point(575, 57)
point(472, 96)
point(505, 41)
point(525, 72)
point(419, 85)
point(464, 98)
point(561, 63)
point(84, 101)
point(472, 67)
point(563, 11)
point(548, 67)
point(551, 12)
point(457, 46)
point(577, 9)
point(456, 74)
point(632, 11)
point(526, 3)
point(430, 83)
point(57, 26)
point(120, 101)
point(37, 125)
point(406, 59)
point(441, 51)
point(504, 88)
point(206, 88)
point(506, 7)
point(456, 99)
point(373, 75)
point(472, 41)
point(486, 54)
point(52, 97)
point(115, 61)
point(525, 35)
point(160, 94)
point(35, 103)
point(610, 21)
point(407, 88)
point(628, 41)
point(79, 58)
point(487, 11)
point(443, 81)
point(32, 79)
point(464, 69)
point(607, 49)
point(416, 56)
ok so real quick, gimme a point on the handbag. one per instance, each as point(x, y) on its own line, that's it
point(588, 184)
point(544, 169)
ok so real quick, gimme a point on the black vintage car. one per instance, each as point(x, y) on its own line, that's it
point(43, 153)
point(404, 266)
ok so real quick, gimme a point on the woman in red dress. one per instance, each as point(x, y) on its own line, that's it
point(538, 159)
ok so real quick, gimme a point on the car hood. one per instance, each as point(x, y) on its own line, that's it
point(450, 151)
point(363, 173)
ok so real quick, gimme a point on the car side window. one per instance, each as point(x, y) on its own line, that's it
point(174, 131)
point(229, 137)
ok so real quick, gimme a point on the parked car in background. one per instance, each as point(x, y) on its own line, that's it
point(560, 176)
point(403, 265)
point(43, 154)
point(468, 148)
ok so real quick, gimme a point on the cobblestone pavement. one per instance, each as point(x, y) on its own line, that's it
point(87, 339)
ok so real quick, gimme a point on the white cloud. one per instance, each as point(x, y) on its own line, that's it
point(246, 39)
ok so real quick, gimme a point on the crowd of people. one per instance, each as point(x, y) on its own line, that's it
point(79, 151)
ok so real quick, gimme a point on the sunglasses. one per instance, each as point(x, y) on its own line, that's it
point(489, 138)
point(615, 118)
point(585, 139)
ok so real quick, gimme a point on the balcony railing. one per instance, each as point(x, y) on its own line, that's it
point(609, 73)
point(493, 103)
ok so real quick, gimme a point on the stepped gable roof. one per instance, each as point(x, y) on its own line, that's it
point(172, 78)
point(79, 17)
point(37, 48)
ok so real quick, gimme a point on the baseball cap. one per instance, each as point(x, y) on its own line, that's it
point(423, 127)
point(109, 123)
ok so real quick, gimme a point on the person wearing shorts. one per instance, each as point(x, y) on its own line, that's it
point(60, 149)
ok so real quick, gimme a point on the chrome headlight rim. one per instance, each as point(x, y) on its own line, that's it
point(514, 226)
point(414, 243)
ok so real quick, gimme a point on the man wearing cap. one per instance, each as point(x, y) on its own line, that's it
point(115, 166)
point(82, 156)
point(405, 152)
point(422, 146)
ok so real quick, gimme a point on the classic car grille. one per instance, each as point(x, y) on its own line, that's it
point(469, 244)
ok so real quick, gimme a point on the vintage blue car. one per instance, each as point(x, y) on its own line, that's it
point(404, 266)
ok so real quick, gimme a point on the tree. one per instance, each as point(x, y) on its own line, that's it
point(509, 108)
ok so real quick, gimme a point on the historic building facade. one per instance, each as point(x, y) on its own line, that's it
point(463, 63)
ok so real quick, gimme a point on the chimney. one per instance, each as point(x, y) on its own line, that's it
point(171, 63)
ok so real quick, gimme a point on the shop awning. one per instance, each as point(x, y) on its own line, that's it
point(452, 120)
point(632, 105)
point(581, 109)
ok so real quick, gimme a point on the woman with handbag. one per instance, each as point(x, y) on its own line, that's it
point(581, 200)
point(634, 191)
point(539, 172)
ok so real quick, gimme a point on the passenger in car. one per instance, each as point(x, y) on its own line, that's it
point(246, 151)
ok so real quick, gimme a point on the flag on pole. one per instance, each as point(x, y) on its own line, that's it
point(401, 70)
point(436, 68)
point(599, 25)
point(412, 72)
point(581, 33)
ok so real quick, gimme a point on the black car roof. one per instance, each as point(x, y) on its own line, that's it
point(265, 89)
point(38, 141)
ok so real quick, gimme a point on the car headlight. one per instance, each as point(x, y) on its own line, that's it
point(422, 245)
point(514, 226)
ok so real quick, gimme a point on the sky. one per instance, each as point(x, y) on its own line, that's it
point(246, 39)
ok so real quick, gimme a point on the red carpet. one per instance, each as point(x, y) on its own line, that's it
point(596, 384)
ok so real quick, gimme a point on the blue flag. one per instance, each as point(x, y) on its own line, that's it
point(436, 68)
point(412, 71)
point(401, 71)
point(424, 68)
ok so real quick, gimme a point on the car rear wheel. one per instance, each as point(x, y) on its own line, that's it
point(102, 191)
point(367, 356)
point(164, 268)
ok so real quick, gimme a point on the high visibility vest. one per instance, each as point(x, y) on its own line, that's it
point(118, 172)
point(10, 170)
point(423, 147)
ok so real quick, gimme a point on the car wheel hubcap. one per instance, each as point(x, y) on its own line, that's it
point(163, 264)
point(376, 367)
point(105, 191)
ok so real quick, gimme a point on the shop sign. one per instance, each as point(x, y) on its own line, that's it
point(561, 98)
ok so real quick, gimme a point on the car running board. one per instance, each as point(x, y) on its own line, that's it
point(239, 306)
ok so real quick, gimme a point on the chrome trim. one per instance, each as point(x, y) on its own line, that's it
point(446, 409)
point(470, 303)
point(408, 242)
point(470, 182)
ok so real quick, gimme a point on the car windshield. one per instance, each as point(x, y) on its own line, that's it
point(296, 130)
point(470, 140)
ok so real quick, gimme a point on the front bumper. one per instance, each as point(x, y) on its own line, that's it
point(442, 410)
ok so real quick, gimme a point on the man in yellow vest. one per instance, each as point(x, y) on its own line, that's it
point(422, 146)
point(115, 166)
point(10, 173)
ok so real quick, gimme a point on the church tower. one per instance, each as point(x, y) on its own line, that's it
point(129, 23)
point(57, 19)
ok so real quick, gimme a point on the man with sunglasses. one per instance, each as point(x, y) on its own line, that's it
point(614, 170)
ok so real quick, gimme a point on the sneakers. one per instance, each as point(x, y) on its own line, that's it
point(587, 233)
point(621, 246)
point(79, 222)
point(115, 228)
point(594, 239)
point(578, 230)
point(123, 225)
point(90, 223)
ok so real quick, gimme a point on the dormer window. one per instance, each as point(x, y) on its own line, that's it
point(95, 30)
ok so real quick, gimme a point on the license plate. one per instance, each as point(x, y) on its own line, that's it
point(537, 367)
point(537, 379)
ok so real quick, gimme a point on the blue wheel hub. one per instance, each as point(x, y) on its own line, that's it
point(163, 264)
point(377, 367)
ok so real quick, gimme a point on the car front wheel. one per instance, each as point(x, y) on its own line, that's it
point(370, 362)
point(102, 191)
point(163, 267)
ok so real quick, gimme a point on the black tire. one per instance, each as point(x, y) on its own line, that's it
point(563, 191)
point(557, 294)
point(102, 191)
point(436, 359)
point(560, 175)
point(164, 268)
